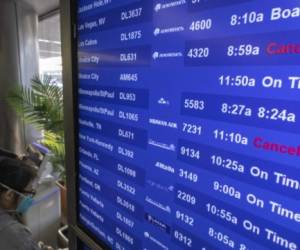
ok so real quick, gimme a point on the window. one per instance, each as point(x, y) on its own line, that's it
point(50, 61)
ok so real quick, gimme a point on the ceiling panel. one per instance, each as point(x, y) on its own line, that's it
point(43, 6)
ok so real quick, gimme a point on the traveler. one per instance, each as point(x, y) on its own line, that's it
point(16, 196)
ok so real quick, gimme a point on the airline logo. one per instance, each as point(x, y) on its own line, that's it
point(161, 6)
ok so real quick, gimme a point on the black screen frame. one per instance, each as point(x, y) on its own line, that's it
point(70, 65)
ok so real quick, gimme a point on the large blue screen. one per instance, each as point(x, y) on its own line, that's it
point(189, 121)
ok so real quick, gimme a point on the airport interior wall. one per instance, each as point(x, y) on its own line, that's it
point(18, 63)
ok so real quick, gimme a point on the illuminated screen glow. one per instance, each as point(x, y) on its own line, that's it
point(189, 121)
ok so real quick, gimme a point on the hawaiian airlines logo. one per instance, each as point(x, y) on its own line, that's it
point(163, 123)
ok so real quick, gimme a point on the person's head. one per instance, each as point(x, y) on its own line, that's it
point(16, 179)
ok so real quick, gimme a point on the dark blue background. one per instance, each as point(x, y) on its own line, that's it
point(154, 155)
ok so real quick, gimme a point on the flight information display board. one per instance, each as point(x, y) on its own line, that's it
point(189, 120)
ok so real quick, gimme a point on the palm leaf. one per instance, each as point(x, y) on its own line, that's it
point(41, 105)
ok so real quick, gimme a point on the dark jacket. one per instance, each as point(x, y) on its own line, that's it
point(14, 235)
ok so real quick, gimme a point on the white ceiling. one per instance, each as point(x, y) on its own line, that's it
point(43, 6)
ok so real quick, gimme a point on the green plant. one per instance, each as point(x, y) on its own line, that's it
point(41, 105)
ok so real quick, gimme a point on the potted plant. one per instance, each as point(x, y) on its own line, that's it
point(41, 106)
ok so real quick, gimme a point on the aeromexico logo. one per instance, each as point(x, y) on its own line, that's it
point(157, 242)
point(159, 55)
point(160, 31)
point(170, 4)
